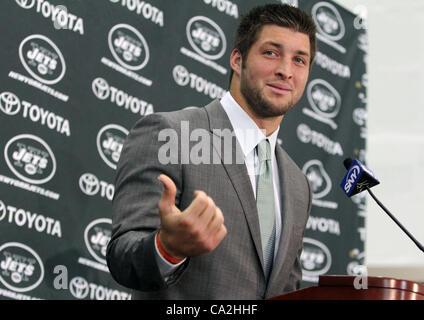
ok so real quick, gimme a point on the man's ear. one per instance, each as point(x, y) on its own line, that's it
point(236, 61)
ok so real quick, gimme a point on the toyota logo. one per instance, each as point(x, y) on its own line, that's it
point(9, 103)
point(89, 184)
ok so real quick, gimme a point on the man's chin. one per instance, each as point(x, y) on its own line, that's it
point(272, 110)
point(264, 106)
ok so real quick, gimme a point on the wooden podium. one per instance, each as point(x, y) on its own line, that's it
point(343, 288)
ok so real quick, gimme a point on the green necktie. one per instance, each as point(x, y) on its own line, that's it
point(265, 203)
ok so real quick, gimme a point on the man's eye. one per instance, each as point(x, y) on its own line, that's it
point(270, 53)
point(299, 60)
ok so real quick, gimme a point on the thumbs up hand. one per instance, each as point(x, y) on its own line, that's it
point(196, 230)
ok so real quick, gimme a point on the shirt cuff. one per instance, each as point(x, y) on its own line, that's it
point(166, 268)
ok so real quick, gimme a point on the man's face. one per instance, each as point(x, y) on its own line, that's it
point(275, 71)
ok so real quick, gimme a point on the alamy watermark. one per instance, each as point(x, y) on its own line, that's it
point(199, 146)
point(360, 282)
point(61, 20)
point(60, 282)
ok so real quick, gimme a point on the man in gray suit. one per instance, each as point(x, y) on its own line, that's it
point(226, 229)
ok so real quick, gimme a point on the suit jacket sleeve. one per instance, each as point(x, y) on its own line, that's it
point(131, 251)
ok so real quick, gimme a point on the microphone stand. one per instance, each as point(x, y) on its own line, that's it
point(419, 245)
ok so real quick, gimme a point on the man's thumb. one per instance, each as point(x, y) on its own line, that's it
point(167, 201)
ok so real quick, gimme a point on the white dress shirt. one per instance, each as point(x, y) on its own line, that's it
point(248, 136)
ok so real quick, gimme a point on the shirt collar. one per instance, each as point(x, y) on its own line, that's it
point(247, 132)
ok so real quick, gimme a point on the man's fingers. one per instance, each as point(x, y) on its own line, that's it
point(167, 201)
point(222, 232)
point(199, 228)
point(198, 205)
point(217, 221)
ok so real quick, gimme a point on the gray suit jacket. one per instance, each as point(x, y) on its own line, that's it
point(234, 270)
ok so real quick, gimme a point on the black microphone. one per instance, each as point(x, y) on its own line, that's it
point(360, 178)
point(347, 162)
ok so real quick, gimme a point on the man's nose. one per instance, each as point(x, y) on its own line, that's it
point(284, 69)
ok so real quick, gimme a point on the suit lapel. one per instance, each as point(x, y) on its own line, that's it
point(218, 122)
point(287, 220)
